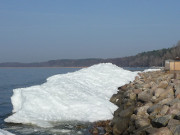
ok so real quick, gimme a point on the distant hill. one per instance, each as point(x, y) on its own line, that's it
point(144, 59)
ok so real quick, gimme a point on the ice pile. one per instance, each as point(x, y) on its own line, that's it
point(4, 132)
point(80, 96)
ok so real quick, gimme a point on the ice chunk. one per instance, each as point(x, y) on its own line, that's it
point(4, 132)
point(79, 96)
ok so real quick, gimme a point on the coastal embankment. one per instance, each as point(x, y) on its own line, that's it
point(148, 105)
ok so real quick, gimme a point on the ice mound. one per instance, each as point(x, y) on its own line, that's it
point(4, 132)
point(79, 96)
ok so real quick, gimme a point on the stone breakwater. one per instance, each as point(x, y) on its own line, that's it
point(148, 105)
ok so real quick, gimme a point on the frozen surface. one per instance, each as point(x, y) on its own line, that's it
point(3, 132)
point(151, 70)
point(80, 96)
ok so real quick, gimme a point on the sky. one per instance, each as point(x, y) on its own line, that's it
point(42, 30)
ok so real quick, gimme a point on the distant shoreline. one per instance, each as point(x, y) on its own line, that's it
point(42, 67)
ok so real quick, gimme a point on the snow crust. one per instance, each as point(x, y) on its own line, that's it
point(79, 96)
point(4, 132)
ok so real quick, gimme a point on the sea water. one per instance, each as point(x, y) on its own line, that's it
point(13, 78)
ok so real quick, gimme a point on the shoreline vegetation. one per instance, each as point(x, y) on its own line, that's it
point(150, 105)
point(144, 59)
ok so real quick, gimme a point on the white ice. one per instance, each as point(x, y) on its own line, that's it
point(79, 96)
point(151, 70)
point(4, 132)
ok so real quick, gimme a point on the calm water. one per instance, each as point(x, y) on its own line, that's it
point(11, 78)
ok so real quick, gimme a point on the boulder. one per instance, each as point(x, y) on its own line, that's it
point(154, 108)
point(161, 121)
point(143, 109)
point(172, 102)
point(115, 98)
point(175, 109)
point(177, 130)
point(147, 86)
point(162, 131)
point(164, 110)
point(145, 96)
point(127, 112)
point(137, 91)
point(151, 130)
point(165, 101)
point(177, 116)
point(123, 88)
point(132, 96)
point(120, 125)
point(158, 92)
point(142, 122)
point(163, 84)
point(172, 124)
point(116, 113)
point(177, 89)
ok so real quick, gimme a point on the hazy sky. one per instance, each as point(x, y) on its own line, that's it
point(41, 30)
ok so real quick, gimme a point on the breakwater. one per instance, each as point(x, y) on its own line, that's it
point(148, 105)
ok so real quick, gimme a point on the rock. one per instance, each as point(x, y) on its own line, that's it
point(139, 82)
point(128, 103)
point(153, 115)
point(162, 131)
point(136, 78)
point(164, 110)
point(172, 102)
point(151, 130)
point(165, 101)
point(177, 130)
point(177, 89)
point(116, 113)
point(154, 108)
point(177, 116)
point(167, 93)
point(158, 92)
point(175, 109)
point(147, 86)
point(137, 91)
point(177, 96)
point(140, 131)
point(120, 125)
point(115, 98)
point(152, 84)
point(173, 122)
point(138, 86)
point(161, 121)
point(127, 112)
point(123, 88)
point(143, 109)
point(148, 101)
point(163, 84)
point(142, 122)
point(145, 96)
point(132, 96)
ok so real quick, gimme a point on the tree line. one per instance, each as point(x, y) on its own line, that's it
point(144, 59)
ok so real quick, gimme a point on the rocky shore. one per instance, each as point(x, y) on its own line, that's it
point(150, 105)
